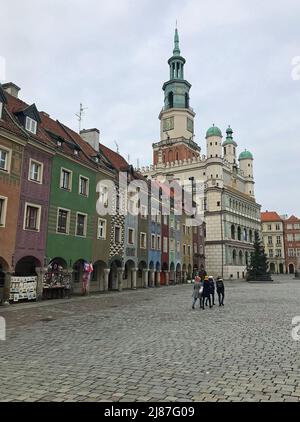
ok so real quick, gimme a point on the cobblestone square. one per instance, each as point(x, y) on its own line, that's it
point(149, 345)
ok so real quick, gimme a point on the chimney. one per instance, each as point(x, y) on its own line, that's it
point(92, 137)
point(11, 89)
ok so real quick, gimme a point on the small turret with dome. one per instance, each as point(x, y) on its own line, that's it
point(229, 147)
point(246, 165)
point(214, 142)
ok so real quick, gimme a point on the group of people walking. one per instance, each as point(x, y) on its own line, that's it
point(204, 290)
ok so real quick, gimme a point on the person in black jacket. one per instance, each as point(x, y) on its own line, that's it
point(220, 291)
point(212, 289)
point(206, 293)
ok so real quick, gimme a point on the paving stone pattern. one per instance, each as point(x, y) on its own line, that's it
point(149, 345)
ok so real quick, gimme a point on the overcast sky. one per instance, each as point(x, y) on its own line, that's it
point(112, 56)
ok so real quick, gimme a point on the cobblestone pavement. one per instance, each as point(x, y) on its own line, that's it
point(149, 345)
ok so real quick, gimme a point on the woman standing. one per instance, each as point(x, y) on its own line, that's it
point(196, 291)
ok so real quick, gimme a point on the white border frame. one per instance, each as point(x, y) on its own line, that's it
point(61, 179)
point(81, 176)
point(68, 221)
point(39, 207)
point(105, 229)
point(2, 226)
point(39, 182)
point(85, 225)
point(9, 154)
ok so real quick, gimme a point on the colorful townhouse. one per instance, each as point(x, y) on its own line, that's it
point(12, 143)
point(31, 236)
point(154, 237)
point(292, 244)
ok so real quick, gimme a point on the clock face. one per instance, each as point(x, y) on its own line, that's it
point(168, 124)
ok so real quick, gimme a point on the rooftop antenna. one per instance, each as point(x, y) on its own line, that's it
point(117, 146)
point(80, 114)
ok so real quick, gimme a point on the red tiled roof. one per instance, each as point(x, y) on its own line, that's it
point(292, 219)
point(116, 159)
point(270, 216)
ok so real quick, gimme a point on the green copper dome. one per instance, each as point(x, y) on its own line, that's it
point(213, 131)
point(246, 155)
point(229, 139)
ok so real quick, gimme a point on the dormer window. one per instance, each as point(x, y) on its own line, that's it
point(59, 143)
point(31, 125)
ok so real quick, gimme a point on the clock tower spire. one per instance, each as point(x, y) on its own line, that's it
point(177, 117)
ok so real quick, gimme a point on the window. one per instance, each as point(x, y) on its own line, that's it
point(165, 220)
point(189, 251)
point(165, 245)
point(158, 217)
point(183, 229)
point(270, 240)
point(117, 234)
point(297, 226)
point(271, 253)
point(131, 236)
point(277, 227)
point(158, 241)
point(184, 249)
point(66, 179)
point(4, 159)
point(195, 248)
point(278, 240)
point(152, 241)
point(144, 212)
point(81, 224)
point(269, 227)
point(290, 227)
point(143, 240)
point(83, 186)
point(278, 253)
point(35, 171)
point(178, 226)
point(31, 125)
point(63, 219)
point(172, 245)
point(291, 252)
point(3, 207)
point(32, 217)
point(297, 237)
point(178, 247)
point(101, 228)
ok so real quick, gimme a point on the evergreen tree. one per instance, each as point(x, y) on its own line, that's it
point(258, 267)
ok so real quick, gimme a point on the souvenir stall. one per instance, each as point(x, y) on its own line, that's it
point(57, 283)
point(22, 288)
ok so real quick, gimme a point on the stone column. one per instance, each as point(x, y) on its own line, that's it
point(167, 277)
point(106, 278)
point(6, 288)
point(133, 278)
point(157, 278)
point(152, 278)
point(145, 278)
point(120, 279)
point(41, 271)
